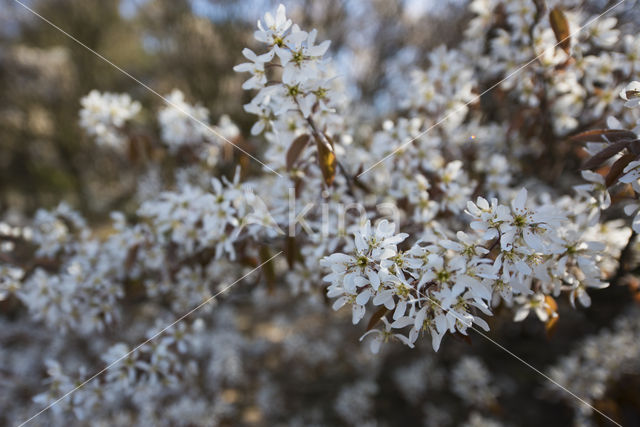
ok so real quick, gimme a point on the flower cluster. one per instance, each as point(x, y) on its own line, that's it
point(440, 285)
point(103, 115)
point(143, 373)
point(298, 94)
point(177, 122)
point(197, 219)
point(445, 89)
point(302, 85)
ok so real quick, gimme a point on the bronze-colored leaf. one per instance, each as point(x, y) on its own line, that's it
point(361, 185)
point(249, 261)
point(292, 251)
point(376, 317)
point(605, 135)
point(133, 153)
point(132, 255)
point(541, 7)
point(630, 94)
point(134, 290)
point(462, 337)
point(634, 147)
point(268, 268)
point(328, 138)
point(617, 167)
point(605, 154)
point(560, 27)
point(327, 162)
point(633, 284)
point(552, 311)
point(624, 193)
point(609, 407)
point(295, 149)
point(551, 325)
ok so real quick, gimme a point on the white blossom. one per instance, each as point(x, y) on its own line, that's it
point(103, 115)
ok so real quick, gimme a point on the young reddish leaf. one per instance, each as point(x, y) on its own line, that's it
point(618, 167)
point(327, 161)
point(560, 27)
point(605, 135)
point(605, 154)
point(375, 318)
point(296, 148)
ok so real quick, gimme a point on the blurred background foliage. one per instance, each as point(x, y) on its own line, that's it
point(191, 45)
